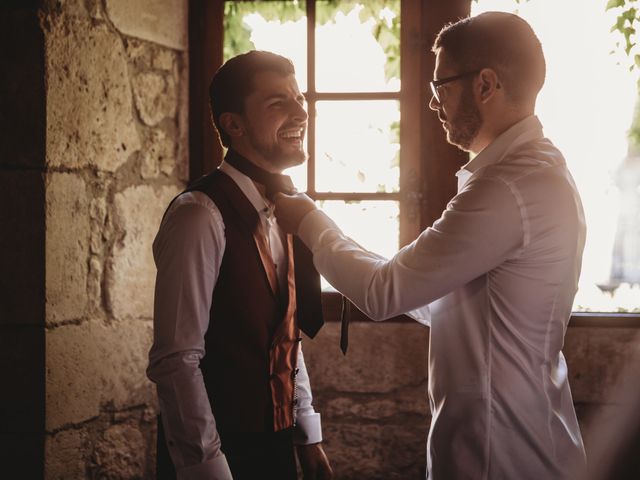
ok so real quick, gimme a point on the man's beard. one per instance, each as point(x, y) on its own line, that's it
point(277, 156)
point(467, 122)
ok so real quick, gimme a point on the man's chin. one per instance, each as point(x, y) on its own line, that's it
point(458, 142)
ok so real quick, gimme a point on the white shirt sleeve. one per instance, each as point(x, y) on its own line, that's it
point(481, 227)
point(188, 251)
point(308, 429)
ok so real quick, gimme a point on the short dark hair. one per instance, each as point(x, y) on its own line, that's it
point(501, 41)
point(233, 83)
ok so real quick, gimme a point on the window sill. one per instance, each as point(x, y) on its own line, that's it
point(332, 304)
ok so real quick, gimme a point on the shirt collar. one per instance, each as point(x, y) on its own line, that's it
point(526, 130)
point(247, 187)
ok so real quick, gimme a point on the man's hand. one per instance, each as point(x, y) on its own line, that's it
point(291, 209)
point(314, 462)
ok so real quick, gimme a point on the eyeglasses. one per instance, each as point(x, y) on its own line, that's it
point(435, 84)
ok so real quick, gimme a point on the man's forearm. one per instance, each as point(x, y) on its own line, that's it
point(190, 429)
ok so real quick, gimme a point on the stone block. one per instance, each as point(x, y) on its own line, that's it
point(69, 8)
point(159, 155)
point(90, 118)
point(159, 21)
point(93, 366)
point(155, 96)
point(64, 455)
point(22, 248)
point(131, 271)
point(373, 407)
point(67, 247)
point(597, 358)
point(382, 357)
point(121, 453)
point(376, 451)
point(164, 59)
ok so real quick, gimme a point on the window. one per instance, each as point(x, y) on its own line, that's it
point(348, 63)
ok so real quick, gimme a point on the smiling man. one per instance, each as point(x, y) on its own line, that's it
point(498, 270)
point(232, 384)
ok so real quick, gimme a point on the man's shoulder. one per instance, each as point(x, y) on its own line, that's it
point(195, 206)
point(193, 198)
point(533, 159)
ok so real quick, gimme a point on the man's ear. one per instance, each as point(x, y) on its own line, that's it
point(489, 83)
point(232, 124)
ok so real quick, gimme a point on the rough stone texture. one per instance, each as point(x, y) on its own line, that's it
point(89, 108)
point(374, 404)
point(164, 59)
point(159, 21)
point(131, 273)
point(382, 357)
point(374, 407)
point(64, 453)
point(121, 453)
point(596, 358)
point(159, 155)
point(67, 247)
point(92, 366)
point(376, 451)
point(156, 97)
point(78, 332)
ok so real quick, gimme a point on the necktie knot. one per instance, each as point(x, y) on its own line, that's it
point(278, 183)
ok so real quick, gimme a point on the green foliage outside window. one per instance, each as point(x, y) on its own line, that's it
point(388, 36)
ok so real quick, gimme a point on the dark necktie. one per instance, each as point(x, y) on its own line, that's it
point(308, 293)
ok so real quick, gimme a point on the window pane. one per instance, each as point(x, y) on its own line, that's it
point(358, 46)
point(373, 224)
point(358, 146)
point(591, 131)
point(277, 26)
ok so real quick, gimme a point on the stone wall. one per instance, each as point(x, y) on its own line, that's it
point(373, 401)
point(116, 153)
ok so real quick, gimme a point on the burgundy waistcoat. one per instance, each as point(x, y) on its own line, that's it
point(252, 341)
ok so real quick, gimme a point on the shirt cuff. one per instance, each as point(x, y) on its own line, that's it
point(313, 225)
point(215, 469)
point(308, 430)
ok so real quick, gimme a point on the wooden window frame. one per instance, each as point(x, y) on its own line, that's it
point(428, 163)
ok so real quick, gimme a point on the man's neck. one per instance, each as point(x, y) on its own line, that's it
point(256, 158)
point(490, 132)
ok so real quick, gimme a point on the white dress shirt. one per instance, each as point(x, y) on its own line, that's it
point(500, 270)
point(188, 251)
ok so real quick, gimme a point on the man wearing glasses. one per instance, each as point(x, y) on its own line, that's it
point(499, 269)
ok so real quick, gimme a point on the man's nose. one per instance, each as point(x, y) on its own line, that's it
point(434, 104)
point(299, 112)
